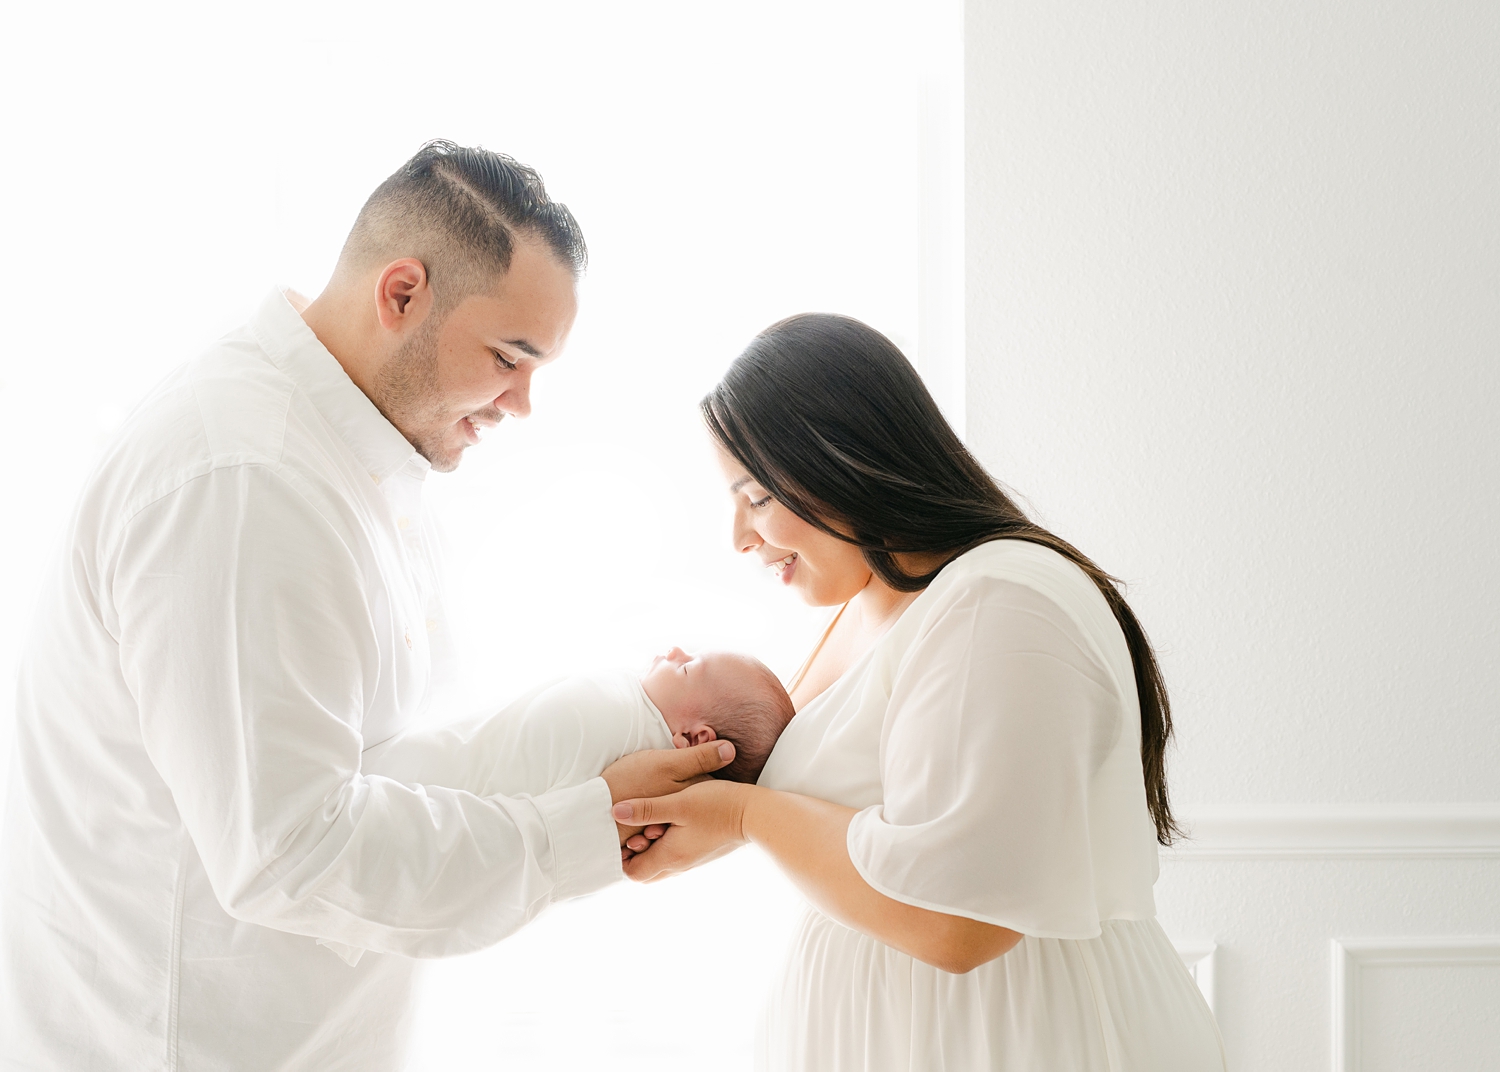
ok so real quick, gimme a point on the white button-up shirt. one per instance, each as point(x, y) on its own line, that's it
point(246, 601)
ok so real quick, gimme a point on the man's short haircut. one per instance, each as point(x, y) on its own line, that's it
point(458, 210)
point(752, 722)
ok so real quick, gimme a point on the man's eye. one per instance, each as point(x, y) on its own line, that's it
point(509, 366)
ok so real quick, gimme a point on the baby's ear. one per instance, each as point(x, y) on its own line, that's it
point(702, 733)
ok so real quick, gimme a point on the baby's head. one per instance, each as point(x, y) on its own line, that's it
point(721, 696)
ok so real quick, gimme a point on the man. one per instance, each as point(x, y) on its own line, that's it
point(200, 871)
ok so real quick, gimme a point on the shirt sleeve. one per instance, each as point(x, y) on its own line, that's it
point(998, 719)
point(248, 641)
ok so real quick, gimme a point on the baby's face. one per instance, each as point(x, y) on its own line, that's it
point(686, 687)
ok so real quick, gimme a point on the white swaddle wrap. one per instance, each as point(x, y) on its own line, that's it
point(556, 735)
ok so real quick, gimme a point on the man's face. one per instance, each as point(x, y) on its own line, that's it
point(459, 375)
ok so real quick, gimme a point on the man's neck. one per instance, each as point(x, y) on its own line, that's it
point(335, 322)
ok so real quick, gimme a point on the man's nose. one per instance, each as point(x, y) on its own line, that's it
point(515, 400)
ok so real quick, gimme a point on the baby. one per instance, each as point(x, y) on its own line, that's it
point(720, 696)
point(565, 733)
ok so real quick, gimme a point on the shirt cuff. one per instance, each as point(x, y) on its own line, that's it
point(585, 844)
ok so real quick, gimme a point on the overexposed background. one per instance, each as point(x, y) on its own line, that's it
point(164, 166)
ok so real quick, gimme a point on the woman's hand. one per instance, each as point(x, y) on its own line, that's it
point(705, 822)
point(658, 773)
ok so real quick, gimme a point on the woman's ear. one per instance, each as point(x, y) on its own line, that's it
point(701, 734)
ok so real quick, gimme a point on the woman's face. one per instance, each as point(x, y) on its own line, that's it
point(823, 569)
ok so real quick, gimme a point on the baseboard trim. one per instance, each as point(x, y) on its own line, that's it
point(1463, 831)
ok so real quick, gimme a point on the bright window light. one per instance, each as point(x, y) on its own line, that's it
point(730, 165)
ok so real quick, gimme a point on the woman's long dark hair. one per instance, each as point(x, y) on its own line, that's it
point(829, 417)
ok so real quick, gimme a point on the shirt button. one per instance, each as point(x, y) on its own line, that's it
point(402, 522)
point(431, 625)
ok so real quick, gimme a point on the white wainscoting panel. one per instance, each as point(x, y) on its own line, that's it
point(1393, 831)
point(1199, 958)
point(1417, 991)
point(1416, 1003)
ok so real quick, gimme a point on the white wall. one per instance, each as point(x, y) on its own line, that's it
point(1233, 301)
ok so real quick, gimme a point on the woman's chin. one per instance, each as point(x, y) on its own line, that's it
point(807, 586)
point(815, 596)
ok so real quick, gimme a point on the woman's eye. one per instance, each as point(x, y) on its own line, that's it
point(509, 366)
point(758, 503)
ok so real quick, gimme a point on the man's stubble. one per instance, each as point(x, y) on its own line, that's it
point(408, 391)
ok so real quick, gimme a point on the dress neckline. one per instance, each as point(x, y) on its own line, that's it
point(828, 631)
point(807, 663)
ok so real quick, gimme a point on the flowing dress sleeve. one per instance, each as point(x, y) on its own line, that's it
point(1001, 714)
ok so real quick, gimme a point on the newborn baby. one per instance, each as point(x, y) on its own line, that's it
point(565, 733)
point(720, 696)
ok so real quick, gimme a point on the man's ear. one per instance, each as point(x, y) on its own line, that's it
point(403, 296)
point(701, 734)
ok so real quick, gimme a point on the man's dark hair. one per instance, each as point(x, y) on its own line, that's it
point(458, 210)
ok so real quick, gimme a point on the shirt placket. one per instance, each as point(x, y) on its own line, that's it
point(425, 618)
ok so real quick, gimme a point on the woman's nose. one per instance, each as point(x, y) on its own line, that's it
point(743, 534)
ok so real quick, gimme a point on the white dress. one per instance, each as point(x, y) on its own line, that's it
point(991, 740)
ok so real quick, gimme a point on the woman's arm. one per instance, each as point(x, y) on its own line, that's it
point(807, 838)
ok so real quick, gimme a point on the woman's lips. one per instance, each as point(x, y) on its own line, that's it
point(785, 567)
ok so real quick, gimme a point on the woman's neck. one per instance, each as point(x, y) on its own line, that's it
point(878, 605)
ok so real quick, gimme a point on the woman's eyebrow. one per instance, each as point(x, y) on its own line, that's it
point(738, 484)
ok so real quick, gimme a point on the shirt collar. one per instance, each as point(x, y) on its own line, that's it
point(296, 351)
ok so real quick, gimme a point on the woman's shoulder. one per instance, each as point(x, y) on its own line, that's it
point(1032, 576)
point(1022, 562)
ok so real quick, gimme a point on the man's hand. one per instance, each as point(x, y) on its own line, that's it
point(660, 773)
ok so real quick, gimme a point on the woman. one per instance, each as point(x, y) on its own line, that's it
point(972, 791)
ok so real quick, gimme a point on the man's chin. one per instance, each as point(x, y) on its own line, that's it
point(443, 457)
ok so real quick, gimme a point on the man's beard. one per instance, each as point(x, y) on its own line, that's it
point(407, 391)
